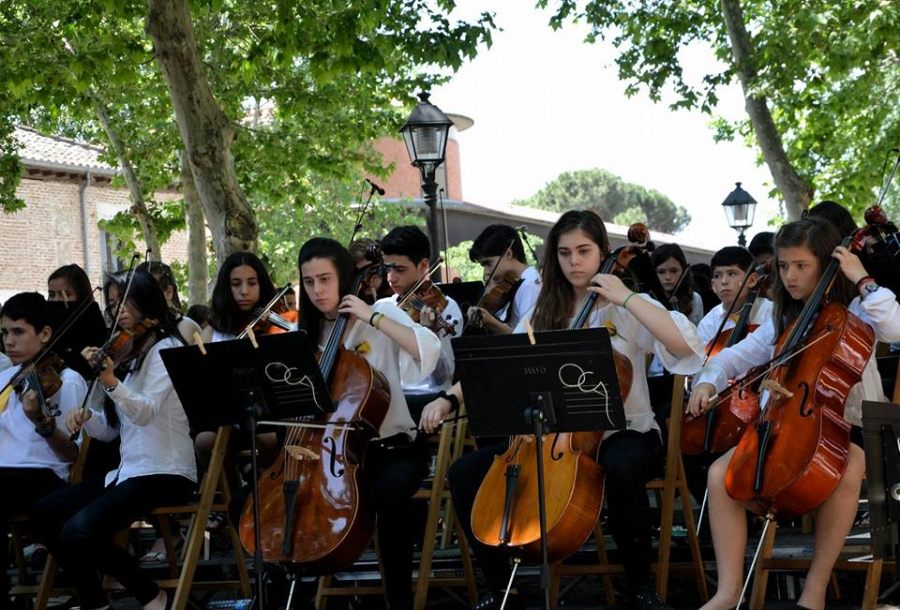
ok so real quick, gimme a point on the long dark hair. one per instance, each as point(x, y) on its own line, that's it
point(557, 297)
point(821, 238)
point(684, 295)
point(77, 279)
point(323, 247)
point(224, 314)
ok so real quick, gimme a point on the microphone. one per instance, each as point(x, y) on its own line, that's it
point(375, 187)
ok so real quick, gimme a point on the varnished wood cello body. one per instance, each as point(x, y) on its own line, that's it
point(793, 459)
point(314, 512)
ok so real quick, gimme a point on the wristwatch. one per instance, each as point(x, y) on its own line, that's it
point(110, 388)
point(869, 288)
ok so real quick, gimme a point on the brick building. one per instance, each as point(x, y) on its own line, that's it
point(67, 190)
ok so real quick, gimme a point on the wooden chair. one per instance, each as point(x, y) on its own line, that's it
point(43, 590)
point(666, 488)
point(215, 495)
point(437, 494)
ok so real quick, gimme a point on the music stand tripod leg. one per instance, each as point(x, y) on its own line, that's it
point(538, 415)
point(254, 412)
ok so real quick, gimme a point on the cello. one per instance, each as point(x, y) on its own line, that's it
point(506, 511)
point(721, 427)
point(792, 460)
point(313, 512)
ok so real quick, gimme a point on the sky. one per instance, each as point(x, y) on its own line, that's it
point(547, 102)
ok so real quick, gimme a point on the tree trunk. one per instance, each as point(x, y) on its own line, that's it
point(797, 192)
point(198, 266)
point(138, 205)
point(205, 130)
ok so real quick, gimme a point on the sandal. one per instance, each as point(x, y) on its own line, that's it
point(216, 522)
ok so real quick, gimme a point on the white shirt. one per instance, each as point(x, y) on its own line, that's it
point(761, 312)
point(5, 362)
point(187, 328)
point(20, 445)
point(152, 424)
point(441, 378)
point(398, 366)
point(218, 336)
point(524, 299)
point(658, 368)
point(879, 310)
point(632, 339)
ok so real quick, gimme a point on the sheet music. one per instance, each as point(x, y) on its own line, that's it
point(582, 393)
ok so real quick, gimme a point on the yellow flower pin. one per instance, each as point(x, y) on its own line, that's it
point(609, 326)
point(363, 348)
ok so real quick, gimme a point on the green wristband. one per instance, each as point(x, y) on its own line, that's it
point(628, 298)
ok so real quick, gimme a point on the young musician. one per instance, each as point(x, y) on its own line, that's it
point(675, 277)
point(35, 451)
point(501, 246)
point(406, 256)
point(78, 524)
point(761, 247)
point(162, 273)
point(69, 284)
point(404, 352)
point(803, 249)
point(730, 267)
point(576, 247)
point(243, 284)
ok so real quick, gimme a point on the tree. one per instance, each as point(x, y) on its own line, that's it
point(611, 197)
point(815, 78)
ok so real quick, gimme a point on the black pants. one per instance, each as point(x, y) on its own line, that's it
point(22, 487)
point(394, 469)
point(78, 525)
point(630, 459)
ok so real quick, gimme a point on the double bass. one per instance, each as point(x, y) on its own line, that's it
point(313, 511)
point(792, 460)
point(506, 511)
point(721, 427)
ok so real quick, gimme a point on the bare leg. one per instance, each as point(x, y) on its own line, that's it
point(833, 522)
point(728, 523)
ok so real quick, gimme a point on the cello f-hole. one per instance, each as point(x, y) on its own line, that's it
point(331, 445)
point(555, 454)
point(806, 408)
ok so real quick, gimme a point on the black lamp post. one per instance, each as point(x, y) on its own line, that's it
point(425, 134)
point(740, 208)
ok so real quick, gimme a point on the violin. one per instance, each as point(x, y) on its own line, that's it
point(124, 346)
point(274, 318)
point(506, 511)
point(424, 294)
point(496, 297)
point(722, 426)
point(793, 458)
point(313, 512)
point(43, 377)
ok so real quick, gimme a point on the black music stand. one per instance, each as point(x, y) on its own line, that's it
point(565, 382)
point(237, 382)
point(464, 293)
point(881, 431)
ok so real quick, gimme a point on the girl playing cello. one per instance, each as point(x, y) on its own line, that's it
point(394, 464)
point(576, 246)
point(803, 250)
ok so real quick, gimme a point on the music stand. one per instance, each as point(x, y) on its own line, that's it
point(237, 382)
point(464, 293)
point(565, 382)
point(881, 430)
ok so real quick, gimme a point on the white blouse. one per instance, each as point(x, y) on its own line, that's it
point(153, 427)
point(879, 310)
point(525, 297)
point(398, 366)
point(441, 378)
point(631, 338)
point(20, 445)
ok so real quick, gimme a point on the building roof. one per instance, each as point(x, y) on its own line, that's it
point(60, 154)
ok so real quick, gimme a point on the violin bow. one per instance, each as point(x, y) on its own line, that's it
point(402, 300)
point(757, 270)
point(523, 232)
point(265, 310)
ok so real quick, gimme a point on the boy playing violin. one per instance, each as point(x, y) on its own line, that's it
point(35, 452)
point(499, 249)
point(406, 257)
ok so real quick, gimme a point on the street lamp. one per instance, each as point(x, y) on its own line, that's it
point(740, 208)
point(425, 134)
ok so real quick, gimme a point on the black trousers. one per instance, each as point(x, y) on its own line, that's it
point(78, 525)
point(630, 459)
point(22, 487)
point(394, 469)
